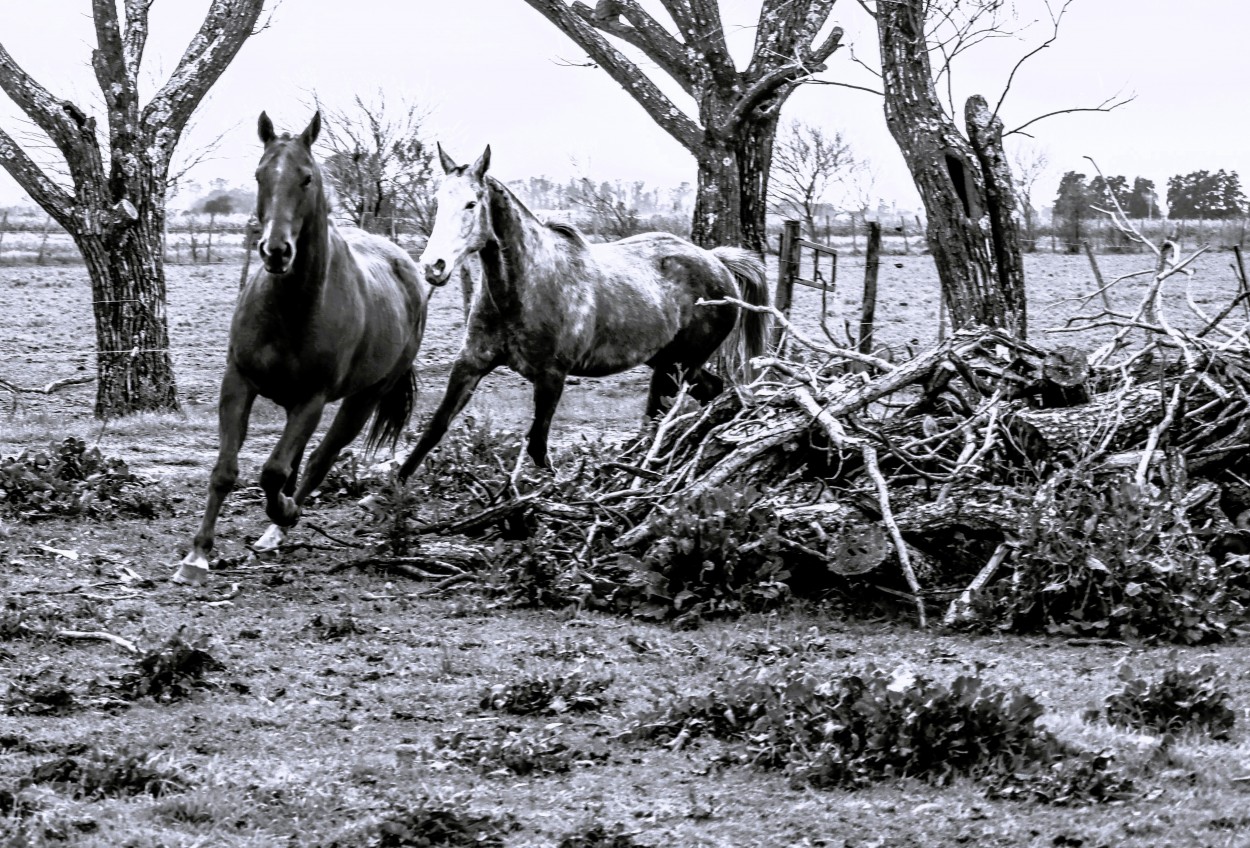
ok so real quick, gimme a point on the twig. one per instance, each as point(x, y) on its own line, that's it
point(316, 528)
point(99, 636)
point(961, 606)
point(887, 515)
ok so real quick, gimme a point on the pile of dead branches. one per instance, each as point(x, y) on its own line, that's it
point(914, 476)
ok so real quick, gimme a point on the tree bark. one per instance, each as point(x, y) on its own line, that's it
point(971, 230)
point(116, 215)
point(732, 140)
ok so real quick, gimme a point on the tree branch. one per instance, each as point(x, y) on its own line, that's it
point(227, 24)
point(626, 73)
point(642, 31)
point(54, 199)
point(37, 102)
point(1108, 105)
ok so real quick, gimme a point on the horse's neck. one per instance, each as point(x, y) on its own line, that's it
point(507, 259)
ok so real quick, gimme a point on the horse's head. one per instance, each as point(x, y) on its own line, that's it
point(462, 224)
point(288, 189)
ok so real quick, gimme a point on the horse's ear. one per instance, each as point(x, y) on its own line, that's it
point(310, 133)
point(264, 128)
point(446, 161)
point(482, 163)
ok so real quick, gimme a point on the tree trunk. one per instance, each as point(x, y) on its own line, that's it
point(731, 198)
point(947, 171)
point(128, 286)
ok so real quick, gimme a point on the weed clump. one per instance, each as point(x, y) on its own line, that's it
point(512, 751)
point(70, 479)
point(1179, 701)
point(873, 726)
point(170, 672)
point(544, 695)
point(598, 836)
point(427, 824)
point(108, 774)
point(718, 555)
point(1111, 559)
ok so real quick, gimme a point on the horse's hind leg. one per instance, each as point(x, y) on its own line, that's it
point(352, 416)
point(233, 410)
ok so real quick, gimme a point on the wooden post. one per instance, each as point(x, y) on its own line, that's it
point(902, 228)
point(787, 270)
point(4, 225)
point(208, 248)
point(868, 310)
point(43, 242)
point(1098, 281)
point(251, 235)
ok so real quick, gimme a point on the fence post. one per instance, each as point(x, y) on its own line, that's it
point(868, 310)
point(902, 228)
point(787, 270)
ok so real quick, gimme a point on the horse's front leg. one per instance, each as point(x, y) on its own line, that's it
point(301, 421)
point(466, 373)
point(548, 386)
point(233, 410)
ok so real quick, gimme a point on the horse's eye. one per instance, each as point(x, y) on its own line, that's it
point(471, 204)
point(307, 181)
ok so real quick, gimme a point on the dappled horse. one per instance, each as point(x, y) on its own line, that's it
point(332, 313)
point(551, 305)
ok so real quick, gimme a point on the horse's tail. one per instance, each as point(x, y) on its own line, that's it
point(752, 278)
point(394, 409)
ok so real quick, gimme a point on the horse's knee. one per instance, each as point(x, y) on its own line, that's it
point(223, 478)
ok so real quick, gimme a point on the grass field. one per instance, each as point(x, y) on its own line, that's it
point(335, 687)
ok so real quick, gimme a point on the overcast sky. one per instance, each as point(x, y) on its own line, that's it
point(491, 72)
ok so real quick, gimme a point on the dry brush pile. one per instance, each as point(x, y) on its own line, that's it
point(984, 481)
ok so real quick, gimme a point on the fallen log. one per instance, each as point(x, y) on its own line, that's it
point(1111, 421)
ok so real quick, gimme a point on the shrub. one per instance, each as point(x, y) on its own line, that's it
point(1108, 559)
point(872, 726)
point(70, 479)
point(1178, 701)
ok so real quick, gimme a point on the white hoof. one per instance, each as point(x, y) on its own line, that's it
point(271, 541)
point(192, 571)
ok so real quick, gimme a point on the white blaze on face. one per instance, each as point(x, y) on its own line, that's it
point(458, 229)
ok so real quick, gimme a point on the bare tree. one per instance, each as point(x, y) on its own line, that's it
point(807, 163)
point(609, 212)
point(732, 138)
point(1028, 163)
point(379, 162)
point(115, 212)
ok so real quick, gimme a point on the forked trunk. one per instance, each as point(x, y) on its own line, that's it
point(134, 367)
point(966, 189)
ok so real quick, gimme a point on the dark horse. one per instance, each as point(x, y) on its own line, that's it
point(331, 314)
point(551, 304)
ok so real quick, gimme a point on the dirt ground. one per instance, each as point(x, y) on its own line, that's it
point(335, 685)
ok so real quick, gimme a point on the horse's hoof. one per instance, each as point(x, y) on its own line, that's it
point(271, 541)
point(192, 571)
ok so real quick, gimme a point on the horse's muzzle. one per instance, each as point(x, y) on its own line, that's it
point(437, 273)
